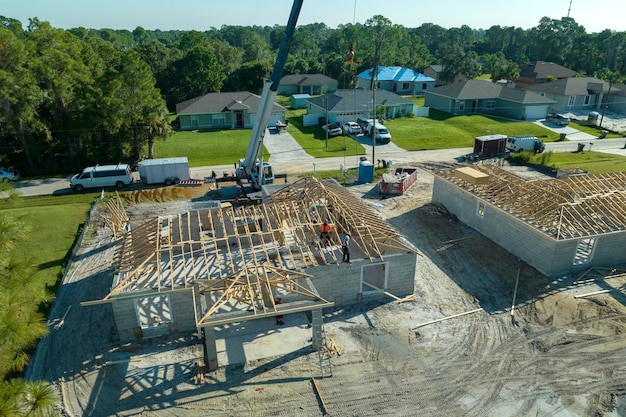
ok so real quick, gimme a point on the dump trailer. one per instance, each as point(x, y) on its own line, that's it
point(490, 145)
point(166, 171)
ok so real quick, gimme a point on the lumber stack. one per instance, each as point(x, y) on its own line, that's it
point(332, 348)
point(198, 373)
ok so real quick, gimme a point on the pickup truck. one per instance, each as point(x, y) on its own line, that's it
point(557, 119)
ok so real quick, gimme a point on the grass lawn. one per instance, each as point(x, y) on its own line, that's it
point(221, 147)
point(592, 129)
point(590, 161)
point(443, 131)
point(55, 223)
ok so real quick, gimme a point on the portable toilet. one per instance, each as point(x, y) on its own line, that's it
point(366, 172)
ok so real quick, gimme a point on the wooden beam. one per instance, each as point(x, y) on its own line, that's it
point(447, 318)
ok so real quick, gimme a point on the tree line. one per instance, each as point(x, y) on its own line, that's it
point(80, 96)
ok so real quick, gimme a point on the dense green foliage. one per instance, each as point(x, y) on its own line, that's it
point(80, 96)
point(35, 237)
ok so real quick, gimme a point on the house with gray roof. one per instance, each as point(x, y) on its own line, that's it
point(576, 94)
point(313, 84)
point(485, 97)
point(234, 110)
point(541, 72)
point(396, 79)
point(349, 105)
point(435, 70)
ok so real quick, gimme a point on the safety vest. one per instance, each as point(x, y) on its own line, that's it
point(326, 227)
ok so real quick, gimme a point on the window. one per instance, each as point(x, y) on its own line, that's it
point(405, 86)
point(584, 251)
point(461, 106)
point(480, 210)
point(490, 104)
point(572, 100)
point(153, 311)
point(424, 86)
point(587, 99)
point(218, 119)
point(373, 278)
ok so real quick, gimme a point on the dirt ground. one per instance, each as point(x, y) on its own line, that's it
point(555, 356)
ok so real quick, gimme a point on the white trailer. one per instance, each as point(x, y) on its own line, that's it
point(166, 171)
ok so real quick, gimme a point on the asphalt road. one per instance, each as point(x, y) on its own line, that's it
point(292, 165)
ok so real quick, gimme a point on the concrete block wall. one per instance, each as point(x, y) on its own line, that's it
point(335, 282)
point(342, 283)
point(183, 315)
point(401, 275)
point(549, 256)
point(125, 318)
point(514, 235)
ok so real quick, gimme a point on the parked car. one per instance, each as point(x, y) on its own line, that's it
point(7, 175)
point(557, 119)
point(333, 129)
point(352, 128)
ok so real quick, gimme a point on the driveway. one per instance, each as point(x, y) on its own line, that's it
point(283, 147)
point(570, 132)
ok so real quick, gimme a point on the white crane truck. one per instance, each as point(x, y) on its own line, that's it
point(252, 168)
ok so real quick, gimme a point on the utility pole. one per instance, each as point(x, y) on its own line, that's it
point(374, 125)
point(326, 118)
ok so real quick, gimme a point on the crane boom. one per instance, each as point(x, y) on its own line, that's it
point(256, 171)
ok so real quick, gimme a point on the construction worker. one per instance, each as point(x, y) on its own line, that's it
point(345, 247)
point(279, 318)
point(325, 235)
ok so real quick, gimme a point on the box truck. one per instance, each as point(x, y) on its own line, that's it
point(166, 171)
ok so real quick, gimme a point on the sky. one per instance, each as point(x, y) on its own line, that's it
point(202, 15)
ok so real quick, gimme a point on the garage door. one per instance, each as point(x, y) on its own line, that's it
point(536, 112)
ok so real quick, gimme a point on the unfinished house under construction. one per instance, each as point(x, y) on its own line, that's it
point(203, 268)
point(556, 225)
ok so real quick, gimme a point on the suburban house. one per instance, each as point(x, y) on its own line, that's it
point(485, 97)
point(434, 71)
point(559, 226)
point(616, 99)
point(348, 105)
point(313, 84)
point(234, 110)
point(398, 80)
point(575, 94)
point(541, 72)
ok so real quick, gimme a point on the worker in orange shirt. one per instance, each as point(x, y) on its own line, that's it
point(325, 234)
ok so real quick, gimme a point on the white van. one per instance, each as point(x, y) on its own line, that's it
point(525, 144)
point(382, 134)
point(101, 176)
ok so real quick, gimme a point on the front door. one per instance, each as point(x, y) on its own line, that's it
point(239, 119)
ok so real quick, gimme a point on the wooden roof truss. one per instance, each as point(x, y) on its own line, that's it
point(173, 252)
point(568, 208)
point(252, 292)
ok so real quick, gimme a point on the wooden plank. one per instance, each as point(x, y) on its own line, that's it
point(448, 318)
point(318, 392)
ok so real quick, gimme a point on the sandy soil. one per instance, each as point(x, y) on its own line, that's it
point(555, 356)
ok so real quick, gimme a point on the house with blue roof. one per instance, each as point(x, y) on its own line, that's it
point(399, 80)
